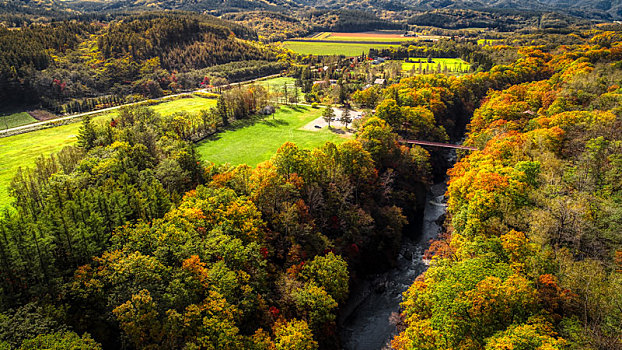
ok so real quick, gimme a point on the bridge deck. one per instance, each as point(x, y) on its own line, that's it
point(438, 144)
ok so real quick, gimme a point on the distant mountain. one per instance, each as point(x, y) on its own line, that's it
point(211, 6)
point(16, 11)
point(602, 9)
point(593, 9)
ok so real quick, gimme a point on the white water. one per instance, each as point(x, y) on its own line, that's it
point(369, 318)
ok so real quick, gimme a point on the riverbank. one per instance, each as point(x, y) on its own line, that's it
point(368, 321)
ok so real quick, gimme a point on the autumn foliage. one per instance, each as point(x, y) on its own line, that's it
point(534, 234)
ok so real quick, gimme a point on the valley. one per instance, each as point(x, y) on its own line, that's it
point(267, 175)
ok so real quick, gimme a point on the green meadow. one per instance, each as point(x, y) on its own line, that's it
point(11, 119)
point(22, 150)
point(452, 64)
point(358, 37)
point(277, 83)
point(258, 142)
point(323, 48)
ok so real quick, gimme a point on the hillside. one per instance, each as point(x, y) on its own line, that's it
point(582, 8)
point(214, 222)
point(398, 9)
point(505, 20)
point(310, 174)
point(75, 66)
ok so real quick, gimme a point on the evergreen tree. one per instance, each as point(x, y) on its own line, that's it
point(328, 114)
point(285, 93)
point(346, 117)
point(221, 109)
point(343, 93)
point(87, 134)
point(296, 96)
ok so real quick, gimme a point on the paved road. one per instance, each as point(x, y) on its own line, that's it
point(36, 126)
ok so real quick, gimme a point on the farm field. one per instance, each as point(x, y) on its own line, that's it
point(453, 65)
point(11, 119)
point(191, 105)
point(254, 144)
point(396, 37)
point(326, 48)
point(22, 150)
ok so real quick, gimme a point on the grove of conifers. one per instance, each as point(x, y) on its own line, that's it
point(129, 240)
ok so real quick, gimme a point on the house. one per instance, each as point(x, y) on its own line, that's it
point(378, 60)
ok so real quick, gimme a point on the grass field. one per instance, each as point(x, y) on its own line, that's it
point(256, 143)
point(22, 150)
point(453, 65)
point(11, 119)
point(323, 48)
point(276, 84)
point(366, 36)
point(190, 105)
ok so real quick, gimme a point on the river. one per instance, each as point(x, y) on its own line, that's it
point(368, 320)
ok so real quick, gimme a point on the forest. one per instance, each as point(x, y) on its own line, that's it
point(504, 20)
point(531, 256)
point(62, 64)
point(129, 239)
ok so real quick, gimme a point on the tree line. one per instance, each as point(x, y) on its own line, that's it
point(129, 240)
point(60, 64)
point(531, 256)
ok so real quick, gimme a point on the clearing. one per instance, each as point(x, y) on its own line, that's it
point(452, 65)
point(328, 48)
point(258, 142)
point(23, 149)
point(387, 36)
point(381, 36)
point(11, 119)
point(275, 85)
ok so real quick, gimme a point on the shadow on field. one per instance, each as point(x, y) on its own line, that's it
point(297, 108)
point(250, 121)
point(337, 131)
point(274, 122)
point(243, 123)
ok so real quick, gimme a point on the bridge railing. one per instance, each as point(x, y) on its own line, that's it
point(438, 144)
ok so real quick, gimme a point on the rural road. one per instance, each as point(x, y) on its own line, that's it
point(35, 126)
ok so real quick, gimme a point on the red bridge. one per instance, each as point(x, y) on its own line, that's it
point(438, 144)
